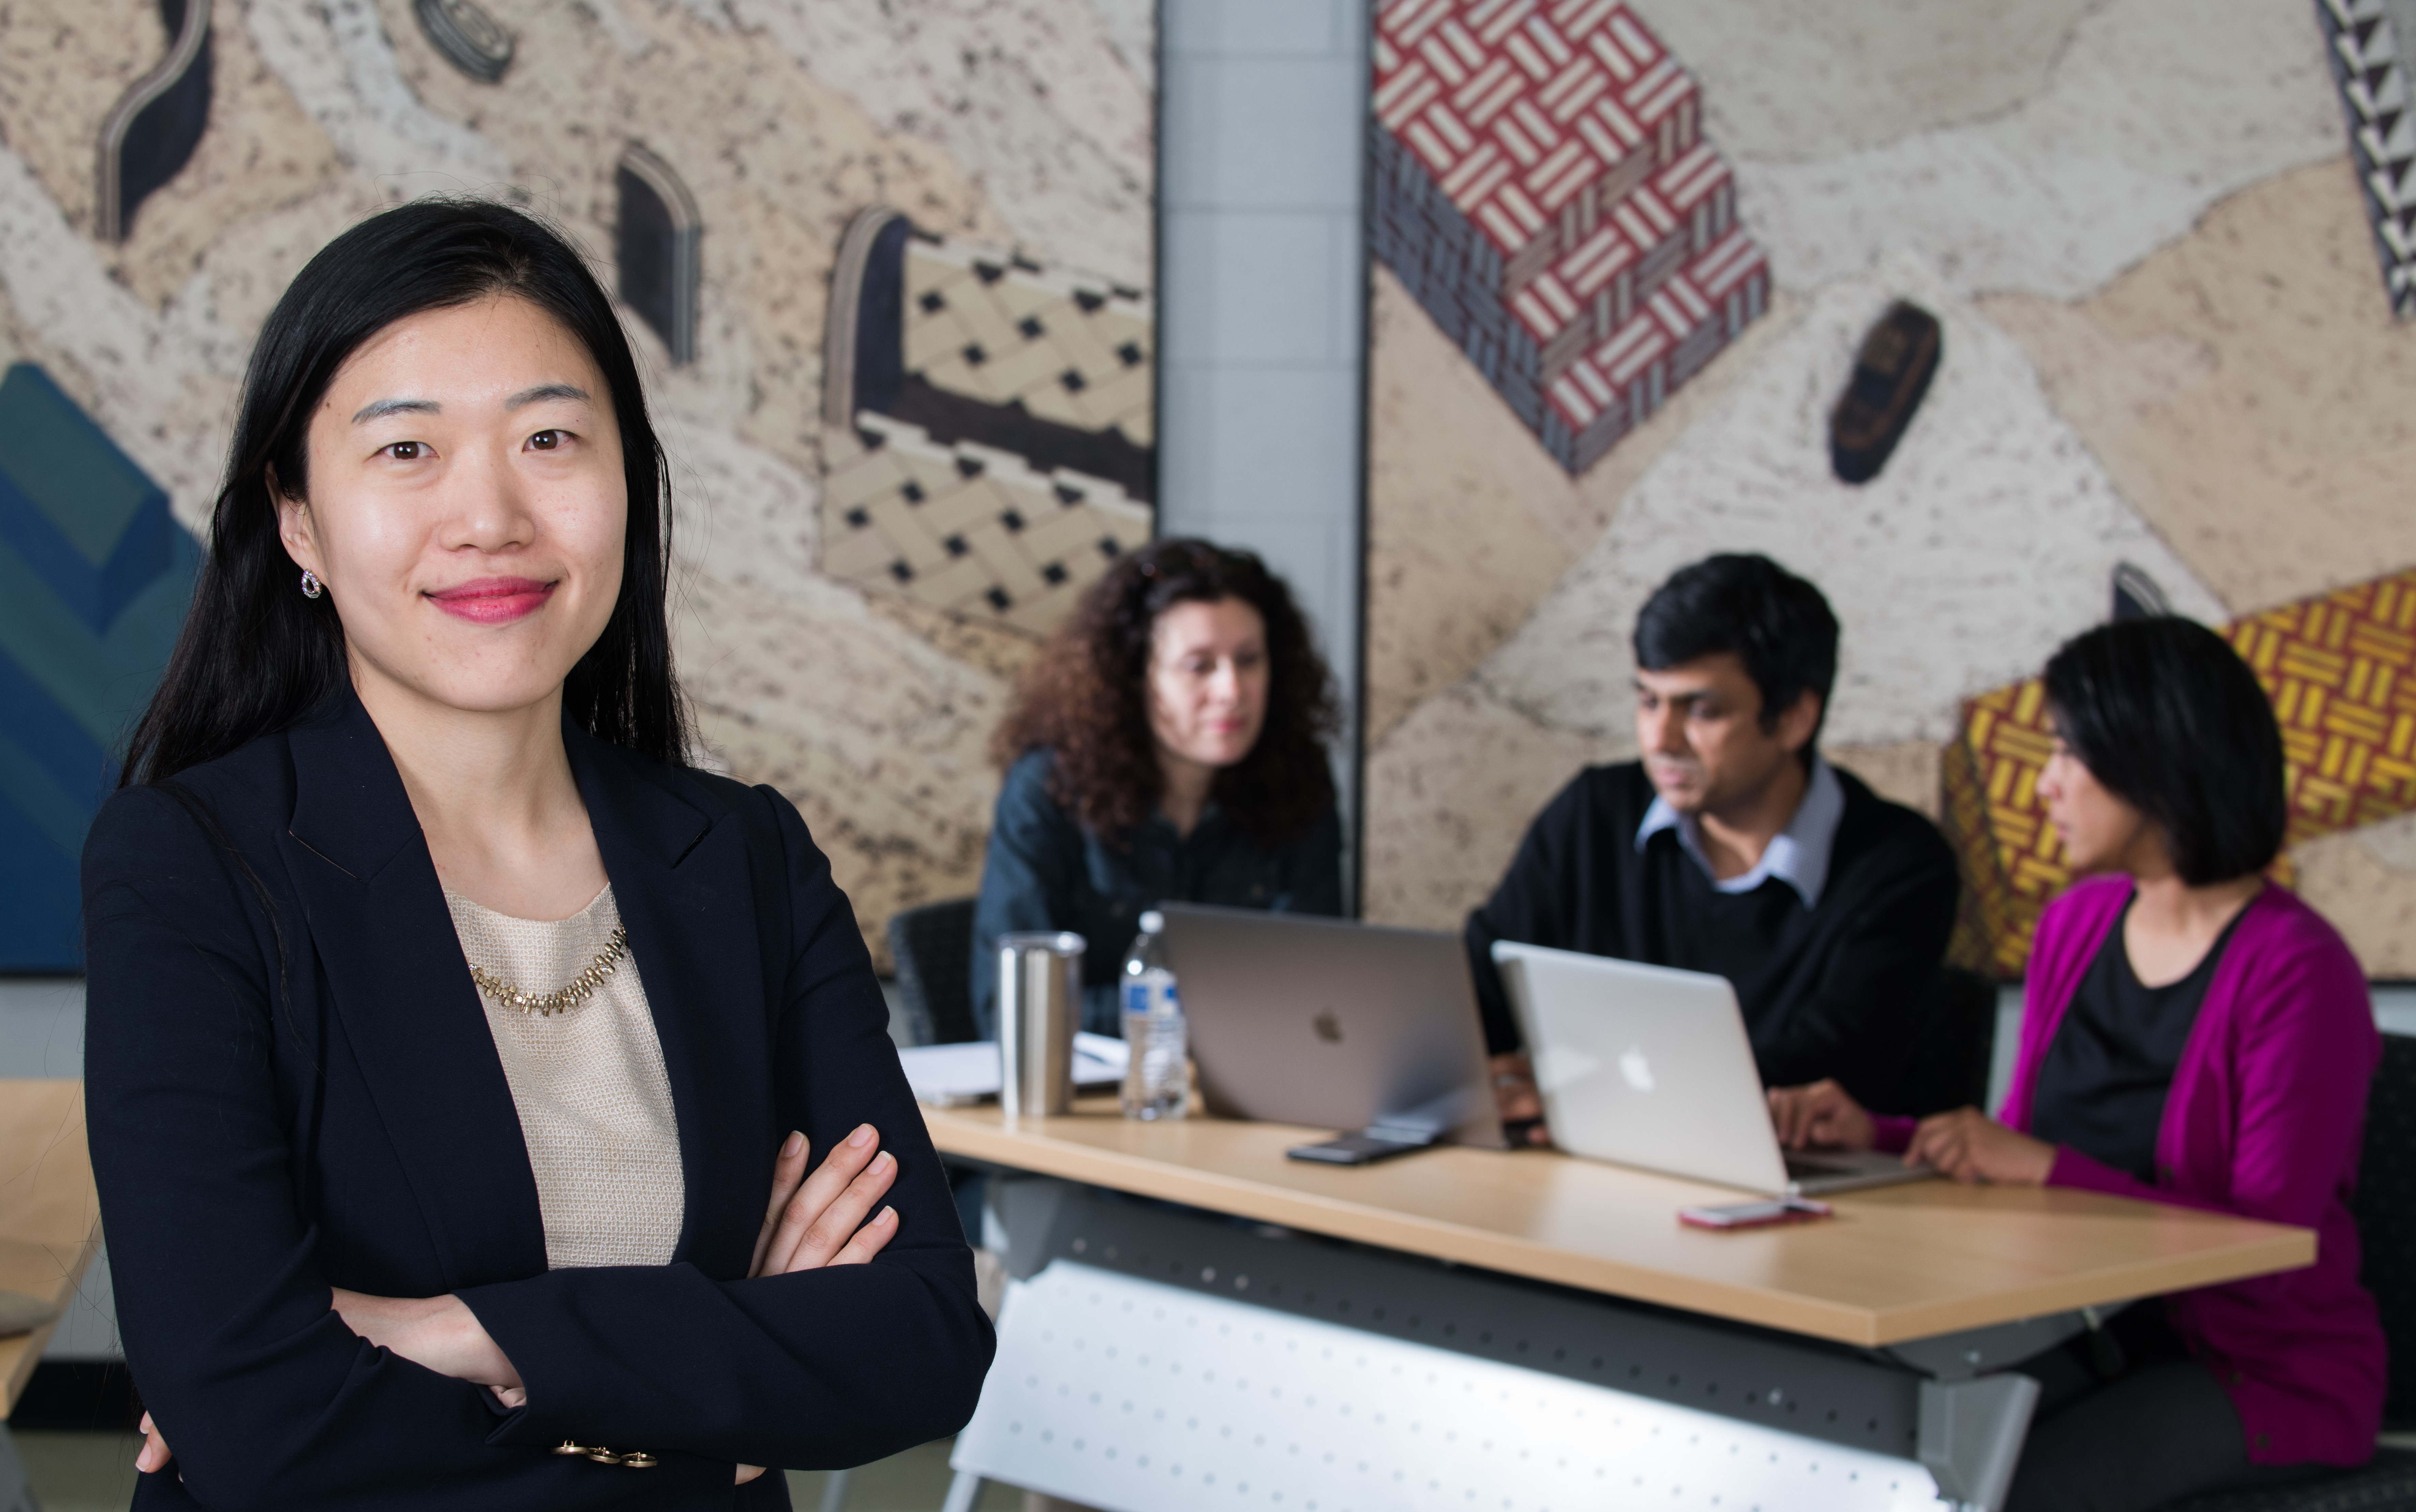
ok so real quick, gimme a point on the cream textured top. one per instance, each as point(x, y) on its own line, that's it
point(593, 1100)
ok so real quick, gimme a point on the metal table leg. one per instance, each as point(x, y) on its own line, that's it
point(1971, 1434)
point(1973, 1425)
point(16, 1495)
point(963, 1491)
point(835, 1490)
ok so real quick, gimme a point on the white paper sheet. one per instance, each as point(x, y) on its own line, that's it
point(946, 1075)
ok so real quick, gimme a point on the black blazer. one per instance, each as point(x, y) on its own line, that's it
point(291, 1087)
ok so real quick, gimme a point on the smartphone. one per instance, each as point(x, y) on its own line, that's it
point(1351, 1149)
point(1754, 1215)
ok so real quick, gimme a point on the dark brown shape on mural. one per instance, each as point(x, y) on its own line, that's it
point(1891, 375)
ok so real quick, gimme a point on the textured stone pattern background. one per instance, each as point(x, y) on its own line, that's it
point(2167, 344)
point(1020, 124)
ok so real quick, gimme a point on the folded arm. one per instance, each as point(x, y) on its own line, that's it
point(817, 1368)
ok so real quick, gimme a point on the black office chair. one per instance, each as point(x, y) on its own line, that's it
point(2385, 1229)
point(934, 948)
point(2386, 1217)
point(1949, 1067)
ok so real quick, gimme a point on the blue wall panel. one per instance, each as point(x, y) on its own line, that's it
point(95, 580)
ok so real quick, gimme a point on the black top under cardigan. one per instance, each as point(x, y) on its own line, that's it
point(291, 1087)
point(1833, 990)
point(2103, 1085)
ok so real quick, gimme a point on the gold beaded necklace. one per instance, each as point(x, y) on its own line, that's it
point(581, 987)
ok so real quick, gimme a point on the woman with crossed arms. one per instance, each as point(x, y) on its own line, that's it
point(447, 1029)
point(2193, 1035)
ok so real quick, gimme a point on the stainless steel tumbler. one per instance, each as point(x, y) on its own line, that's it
point(1039, 1003)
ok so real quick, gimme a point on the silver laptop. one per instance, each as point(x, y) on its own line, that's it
point(1647, 1065)
point(1332, 1024)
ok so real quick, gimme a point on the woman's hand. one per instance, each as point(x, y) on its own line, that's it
point(439, 1332)
point(819, 1221)
point(154, 1454)
point(812, 1223)
point(1824, 1115)
point(1515, 1096)
point(1970, 1145)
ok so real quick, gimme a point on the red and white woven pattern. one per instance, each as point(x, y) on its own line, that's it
point(1530, 114)
point(1544, 195)
point(1622, 255)
point(1685, 303)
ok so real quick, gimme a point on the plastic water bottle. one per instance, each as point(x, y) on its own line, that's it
point(1157, 1080)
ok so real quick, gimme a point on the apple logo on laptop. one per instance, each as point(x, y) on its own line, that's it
point(1328, 1027)
point(1637, 1069)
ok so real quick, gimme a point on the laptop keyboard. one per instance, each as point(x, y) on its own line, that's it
point(1800, 1165)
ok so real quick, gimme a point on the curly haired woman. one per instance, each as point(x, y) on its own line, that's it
point(1168, 746)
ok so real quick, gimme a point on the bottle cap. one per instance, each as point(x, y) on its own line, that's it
point(1152, 922)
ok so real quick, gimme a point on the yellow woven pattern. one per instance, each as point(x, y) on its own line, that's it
point(2012, 863)
point(2341, 670)
point(2338, 670)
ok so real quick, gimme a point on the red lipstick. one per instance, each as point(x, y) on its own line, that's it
point(494, 600)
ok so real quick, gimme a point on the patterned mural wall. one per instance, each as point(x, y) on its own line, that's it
point(2097, 300)
point(897, 455)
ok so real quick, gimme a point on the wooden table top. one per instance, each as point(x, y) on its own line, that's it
point(50, 1213)
point(1895, 1263)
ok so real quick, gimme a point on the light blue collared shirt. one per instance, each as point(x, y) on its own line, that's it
point(1797, 855)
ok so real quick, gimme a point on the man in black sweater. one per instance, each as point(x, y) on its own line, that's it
point(1732, 847)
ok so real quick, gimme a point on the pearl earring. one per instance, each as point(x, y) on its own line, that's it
point(310, 587)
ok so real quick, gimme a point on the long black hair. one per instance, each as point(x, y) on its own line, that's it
point(2167, 717)
point(255, 655)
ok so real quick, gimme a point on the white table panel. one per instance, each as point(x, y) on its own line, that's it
point(1132, 1394)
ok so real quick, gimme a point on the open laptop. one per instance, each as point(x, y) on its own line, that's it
point(1333, 1024)
point(1647, 1065)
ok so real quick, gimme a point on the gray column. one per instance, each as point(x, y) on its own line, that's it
point(1263, 287)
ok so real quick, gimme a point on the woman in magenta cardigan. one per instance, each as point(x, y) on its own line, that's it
point(2190, 1035)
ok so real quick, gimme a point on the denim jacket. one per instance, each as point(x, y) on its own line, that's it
point(1044, 871)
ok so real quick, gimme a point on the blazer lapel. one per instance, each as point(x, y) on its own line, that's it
point(403, 993)
point(682, 877)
